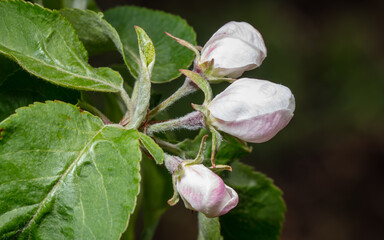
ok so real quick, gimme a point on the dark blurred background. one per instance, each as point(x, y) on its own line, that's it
point(329, 159)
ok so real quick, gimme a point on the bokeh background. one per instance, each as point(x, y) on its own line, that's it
point(329, 159)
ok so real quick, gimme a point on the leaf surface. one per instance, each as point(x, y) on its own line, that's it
point(46, 45)
point(96, 33)
point(170, 56)
point(64, 175)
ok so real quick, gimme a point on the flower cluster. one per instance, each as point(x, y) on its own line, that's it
point(252, 110)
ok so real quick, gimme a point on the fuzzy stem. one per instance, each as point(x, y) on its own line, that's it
point(191, 121)
point(187, 88)
point(95, 111)
point(172, 162)
point(170, 147)
point(128, 103)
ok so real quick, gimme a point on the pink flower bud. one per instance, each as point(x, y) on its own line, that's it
point(252, 110)
point(204, 191)
point(236, 47)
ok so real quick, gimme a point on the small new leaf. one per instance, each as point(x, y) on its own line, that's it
point(154, 149)
point(143, 85)
point(147, 50)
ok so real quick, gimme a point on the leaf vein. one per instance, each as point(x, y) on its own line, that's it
point(59, 182)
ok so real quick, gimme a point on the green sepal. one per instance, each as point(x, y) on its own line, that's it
point(220, 168)
point(216, 143)
point(186, 44)
point(201, 83)
point(175, 198)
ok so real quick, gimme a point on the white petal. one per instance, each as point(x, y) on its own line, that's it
point(247, 98)
point(236, 47)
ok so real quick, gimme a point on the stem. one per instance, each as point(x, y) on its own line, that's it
point(191, 121)
point(128, 103)
point(187, 88)
point(95, 111)
point(170, 147)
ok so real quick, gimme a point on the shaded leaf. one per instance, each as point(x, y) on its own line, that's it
point(157, 188)
point(57, 4)
point(64, 175)
point(170, 56)
point(7, 67)
point(154, 149)
point(260, 212)
point(46, 45)
point(21, 89)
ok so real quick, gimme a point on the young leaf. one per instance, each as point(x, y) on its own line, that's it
point(143, 86)
point(98, 35)
point(260, 212)
point(64, 175)
point(170, 56)
point(21, 89)
point(46, 45)
point(209, 228)
point(154, 149)
point(146, 49)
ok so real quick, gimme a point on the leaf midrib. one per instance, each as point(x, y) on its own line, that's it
point(60, 181)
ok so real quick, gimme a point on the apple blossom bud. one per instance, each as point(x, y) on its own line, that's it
point(251, 109)
point(204, 191)
point(236, 47)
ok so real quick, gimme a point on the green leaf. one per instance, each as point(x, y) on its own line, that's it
point(157, 188)
point(260, 212)
point(64, 175)
point(209, 228)
point(170, 56)
point(96, 33)
point(21, 89)
point(46, 45)
point(154, 149)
